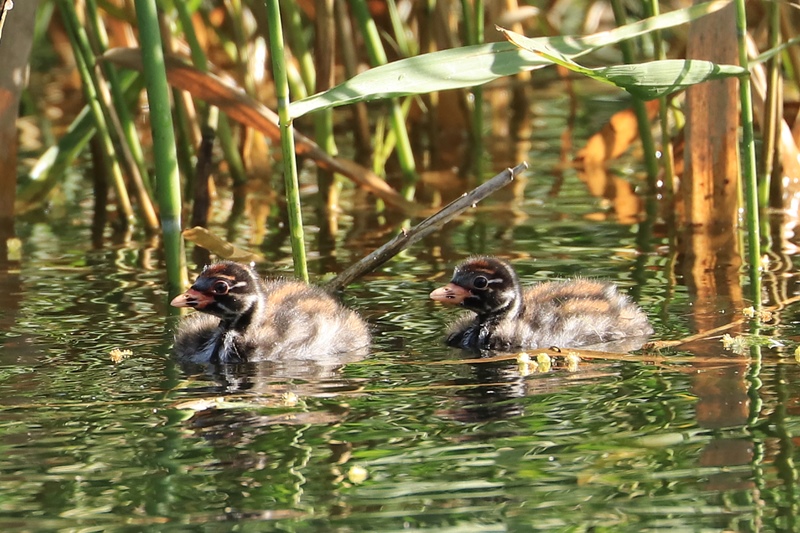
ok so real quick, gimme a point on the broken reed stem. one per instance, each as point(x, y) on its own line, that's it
point(408, 237)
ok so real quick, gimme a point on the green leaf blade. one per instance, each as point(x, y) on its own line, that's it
point(456, 68)
point(660, 78)
point(569, 47)
point(471, 66)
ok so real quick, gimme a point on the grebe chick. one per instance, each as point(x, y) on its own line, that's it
point(243, 319)
point(562, 314)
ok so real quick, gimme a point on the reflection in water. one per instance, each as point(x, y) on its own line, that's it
point(494, 389)
point(303, 377)
point(491, 393)
point(11, 293)
point(93, 444)
point(238, 429)
point(710, 262)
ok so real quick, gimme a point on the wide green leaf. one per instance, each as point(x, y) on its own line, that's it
point(660, 78)
point(438, 71)
point(570, 46)
point(475, 65)
point(645, 80)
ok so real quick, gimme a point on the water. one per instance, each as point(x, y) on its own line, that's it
point(698, 439)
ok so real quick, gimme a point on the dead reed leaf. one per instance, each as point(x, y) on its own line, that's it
point(219, 246)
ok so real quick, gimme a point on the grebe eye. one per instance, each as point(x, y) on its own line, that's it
point(220, 288)
point(480, 282)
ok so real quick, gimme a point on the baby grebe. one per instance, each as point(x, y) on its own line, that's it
point(560, 314)
point(243, 319)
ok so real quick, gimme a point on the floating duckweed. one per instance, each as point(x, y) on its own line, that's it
point(14, 249)
point(737, 345)
point(357, 474)
point(545, 362)
point(528, 368)
point(762, 315)
point(573, 360)
point(117, 355)
point(727, 341)
point(289, 399)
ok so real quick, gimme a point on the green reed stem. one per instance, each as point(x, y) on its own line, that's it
point(183, 112)
point(287, 139)
point(477, 93)
point(325, 64)
point(51, 165)
point(772, 104)
point(222, 125)
point(84, 58)
point(468, 21)
point(165, 158)
point(377, 56)
point(299, 47)
point(667, 155)
point(407, 47)
point(131, 147)
point(183, 120)
point(231, 151)
point(388, 140)
point(651, 161)
point(243, 50)
point(472, 15)
point(297, 86)
point(749, 162)
point(199, 59)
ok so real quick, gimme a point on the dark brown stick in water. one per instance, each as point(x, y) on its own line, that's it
point(408, 237)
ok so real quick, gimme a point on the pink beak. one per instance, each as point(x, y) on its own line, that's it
point(451, 294)
point(192, 298)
